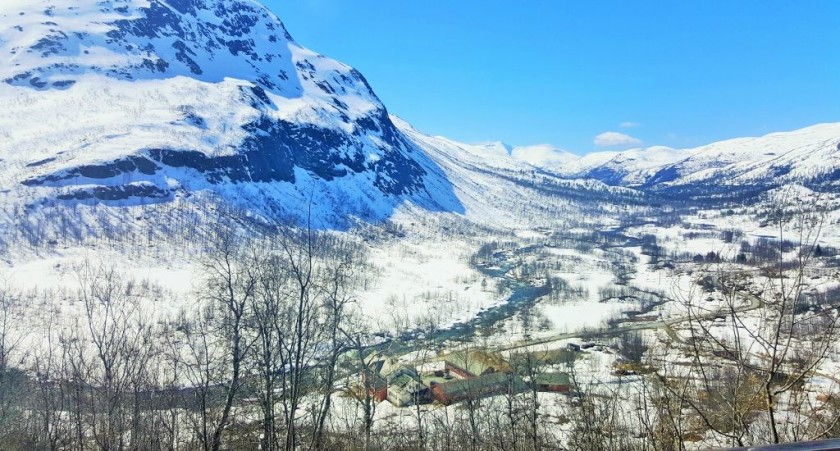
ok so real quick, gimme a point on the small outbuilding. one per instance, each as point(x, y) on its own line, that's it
point(405, 390)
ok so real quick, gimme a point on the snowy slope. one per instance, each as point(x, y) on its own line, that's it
point(122, 106)
point(636, 165)
point(497, 188)
point(544, 155)
point(129, 102)
point(810, 155)
point(629, 167)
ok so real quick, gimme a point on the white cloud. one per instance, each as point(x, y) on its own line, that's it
point(629, 124)
point(608, 139)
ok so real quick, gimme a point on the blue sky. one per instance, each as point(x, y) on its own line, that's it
point(675, 73)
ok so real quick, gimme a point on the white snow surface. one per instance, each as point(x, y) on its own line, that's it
point(543, 155)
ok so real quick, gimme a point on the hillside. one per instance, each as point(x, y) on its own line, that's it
point(141, 102)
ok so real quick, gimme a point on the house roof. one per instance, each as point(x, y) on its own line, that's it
point(478, 362)
point(482, 385)
point(430, 367)
point(396, 371)
point(553, 379)
point(407, 383)
point(375, 367)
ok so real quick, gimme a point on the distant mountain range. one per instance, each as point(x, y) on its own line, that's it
point(809, 156)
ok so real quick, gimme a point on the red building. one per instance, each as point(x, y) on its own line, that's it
point(492, 384)
point(553, 382)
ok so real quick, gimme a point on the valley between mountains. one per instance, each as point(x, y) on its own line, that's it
point(212, 237)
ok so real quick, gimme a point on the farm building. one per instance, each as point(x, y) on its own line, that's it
point(373, 382)
point(385, 378)
point(473, 363)
point(395, 370)
point(405, 390)
point(404, 386)
point(553, 382)
point(491, 384)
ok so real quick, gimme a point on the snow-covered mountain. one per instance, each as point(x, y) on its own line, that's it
point(543, 155)
point(810, 157)
point(621, 168)
point(539, 155)
point(496, 187)
point(138, 102)
point(141, 101)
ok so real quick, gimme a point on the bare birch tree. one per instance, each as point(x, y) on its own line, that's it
point(777, 335)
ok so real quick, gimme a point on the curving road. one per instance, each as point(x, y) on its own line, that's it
point(754, 303)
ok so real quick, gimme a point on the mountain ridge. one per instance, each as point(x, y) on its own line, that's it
point(809, 155)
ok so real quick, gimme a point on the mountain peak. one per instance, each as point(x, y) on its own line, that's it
point(186, 95)
point(52, 41)
point(543, 155)
point(495, 147)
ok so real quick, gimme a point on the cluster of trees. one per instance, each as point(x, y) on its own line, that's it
point(269, 323)
point(756, 365)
